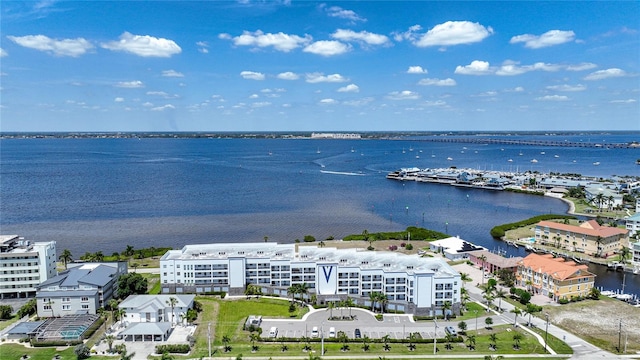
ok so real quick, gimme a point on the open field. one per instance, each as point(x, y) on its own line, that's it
point(598, 321)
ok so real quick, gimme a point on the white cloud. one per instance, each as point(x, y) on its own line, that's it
point(628, 101)
point(254, 96)
point(582, 67)
point(476, 67)
point(147, 104)
point(143, 45)
point(251, 75)
point(550, 38)
point(567, 87)
point(130, 84)
point(338, 12)
point(416, 70)
point(118, 99)
point(3, 53)
point(606, 74)
point(288, 75)
point(435, 103)
point(280, 41)
point(362, 36)
point(453, 33)
point(64, 47)
point(172, 73)
point(162, 94)
point(553, 98)
point(438, 82)
point(349, 88)
point(359, 102)
point(260, 104)
point(320, 77)
point(327, 48)
point(203, 47)
point(328, 102)
point(403, 95)
point(163, 107)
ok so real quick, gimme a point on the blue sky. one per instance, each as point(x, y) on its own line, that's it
point(319, 66)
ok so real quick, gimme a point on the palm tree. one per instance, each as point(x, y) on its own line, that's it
point(172, 302)
point(124, 355)
point(98, 256)
point(500, 293)
point(385, 340)
point(321, 244)
point(349, 303)
point(516, 311)
point(412, 337)
point(448, 337)
point(120, 314)
point(50, 305)
point(365, 343)
point(483, 258)
point(110, 339)
point(225, 340)
point(556, 241)
point(383, 300)
point(494, 339)
point(624, 253)
point(610, 200)
point(344, 339)
point(303, 290)
point(103, 314)
point(599, 199)
point(373, 297)
point(113, 306)
point(266, 239)
point(516, 340)
point(330, 306)
point(253, 338)
point(446, 308)
point(128, 251)
point(66, 257)
point(471, 340)
point(293, 290)
point(599, 241)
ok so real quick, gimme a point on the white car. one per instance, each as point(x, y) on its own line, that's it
point(314, 332)
point(332, 332)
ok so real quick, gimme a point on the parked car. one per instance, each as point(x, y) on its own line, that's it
point(314, 332)
point(357, 333)
point(332, 332)
point(451, 331)
point(273, 332)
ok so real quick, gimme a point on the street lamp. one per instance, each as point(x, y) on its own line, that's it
point(546, 332)
point(322, 339)
point(476, 311)
point(435, 335)
point(209, 338)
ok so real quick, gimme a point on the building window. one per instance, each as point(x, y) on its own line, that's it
point(85, 299)
point(85, 306)
point(66, 307)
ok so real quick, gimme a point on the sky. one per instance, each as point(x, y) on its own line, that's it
point(350, 66)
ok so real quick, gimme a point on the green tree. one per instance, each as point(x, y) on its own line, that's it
point(131, 284)
point(446, 309)
point(463, 327)
point(488, 321)
point(385, 340)
point(594, 293)
point(482, 258)
point(309, 238)
point(113, 306)
point(172, 303)
point(225, 340)
point(624, 254)
point(28, 309)
point(516, 340)
point(110, 339)
point(493, 338)
point(5, 312)
point(471, 342)
point(516, 311)
point(66, 257)
point(128, 251)
point(82, 351)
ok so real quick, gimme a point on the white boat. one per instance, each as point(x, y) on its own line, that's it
point(596, 163)
point(449, 158)
point(556, 156)
point(318, 151)
point(510, 160)
point(542, 153)
point(534, 161)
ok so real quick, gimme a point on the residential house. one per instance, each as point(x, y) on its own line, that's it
point(493, 263)
point(554, 277)
point(602, 196)
point(633, 224)
point(81, 289)
point(454, 248)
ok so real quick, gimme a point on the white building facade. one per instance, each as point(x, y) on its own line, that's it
point(410, 283)
point(24, 265)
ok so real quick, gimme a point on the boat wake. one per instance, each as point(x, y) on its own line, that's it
point(341, 173)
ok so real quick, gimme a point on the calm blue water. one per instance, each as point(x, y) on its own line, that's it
point(102, 194)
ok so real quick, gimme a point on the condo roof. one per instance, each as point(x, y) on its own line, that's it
point(591, 228)
point(557, 268)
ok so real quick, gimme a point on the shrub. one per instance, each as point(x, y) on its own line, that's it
point(563, 301)
point(173, 348)
point(309, 238)
point(409, 247)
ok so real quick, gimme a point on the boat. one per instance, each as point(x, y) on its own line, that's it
point(556, 156)
point(449, 158)
point(318, 151)
point(542, 153)
point(520, 153)
point(534, 161)
point(510, 160)
point(352, 150)
point(529, 248)
point(596, 163)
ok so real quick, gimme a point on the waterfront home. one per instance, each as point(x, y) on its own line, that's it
point(602, 196)
point(589, 237)
point(81, 289)
point(24, 265)
point(493, 263)
point(156, 308)
point(454, 248)
point(409, 283)
point(554, 277)
point(633, 223)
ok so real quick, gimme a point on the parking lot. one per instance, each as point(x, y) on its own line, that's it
point(396, 326)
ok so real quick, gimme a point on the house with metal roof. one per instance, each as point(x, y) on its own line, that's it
point(157, 308)
point(81, 289)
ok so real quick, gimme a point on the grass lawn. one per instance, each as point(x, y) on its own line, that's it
point(153, 283)
point(5, 323)
point(15, 351)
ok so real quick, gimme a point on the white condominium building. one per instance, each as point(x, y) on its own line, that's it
point(24, 265)
point(411, 284)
